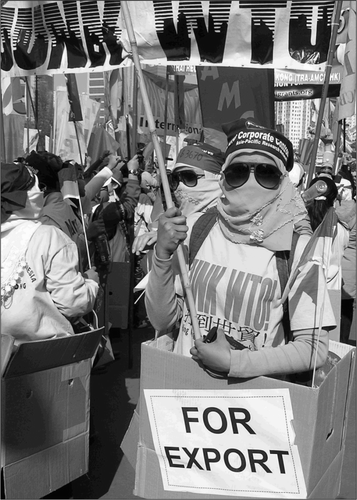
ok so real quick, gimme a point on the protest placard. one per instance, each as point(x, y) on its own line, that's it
point(226, 442)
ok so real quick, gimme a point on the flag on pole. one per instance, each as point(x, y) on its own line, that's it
point(13, 96)
point(311, 286)
point(75, 114)
point(68, 179)
point(347, 99)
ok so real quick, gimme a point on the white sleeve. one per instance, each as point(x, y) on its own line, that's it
point(72, 294)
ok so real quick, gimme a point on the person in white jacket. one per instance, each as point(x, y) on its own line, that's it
point(42, 290)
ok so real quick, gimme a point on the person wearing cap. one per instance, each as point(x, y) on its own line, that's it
point(42, 290)
point(194, 181)
point(317, 210)
point(234, 276)
point(118, 210)
point(195, 177)
point(62, 213)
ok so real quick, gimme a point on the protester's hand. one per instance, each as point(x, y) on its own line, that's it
point(92, 274)
point(95, 228)
point(144, 242)
point(172, 230)
point(215, 355)
point(113, 161)
point(133, 164)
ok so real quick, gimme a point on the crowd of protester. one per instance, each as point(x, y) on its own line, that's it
point(58, 245)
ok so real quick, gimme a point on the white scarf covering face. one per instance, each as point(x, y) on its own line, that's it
point(16, 233)
point(200, 197)
point(253, 215)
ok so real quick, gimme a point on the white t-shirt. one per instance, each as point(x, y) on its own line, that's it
point(237, 288)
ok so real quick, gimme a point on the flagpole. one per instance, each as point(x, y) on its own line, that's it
point(84, 231)
point(165, 111)
point(335, 25)
point(3, 141)
point(177, 113)
point(134, 131)
point(29, 98)
point(79, 146)
point(337, 146)
point(164, 180)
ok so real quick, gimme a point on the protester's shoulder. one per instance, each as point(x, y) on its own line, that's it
point(50, 234)
point(346, 212)
point(191, 220)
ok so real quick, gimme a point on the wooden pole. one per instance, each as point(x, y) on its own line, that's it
point(164, 179)
point(335, 25)
point(165, 112)
point(177, 114)
point(3, 141)
point(134, 132)
point(337, 146)
point(29, 98)
point(79, 145)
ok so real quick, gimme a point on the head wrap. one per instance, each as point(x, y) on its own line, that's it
point(253, 215)
point(201, 155)
point(203, 196)
point(244, 135)
point(297, 174)
point(16, 180)
point(46, 166)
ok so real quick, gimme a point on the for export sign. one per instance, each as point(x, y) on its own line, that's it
point(236, 442)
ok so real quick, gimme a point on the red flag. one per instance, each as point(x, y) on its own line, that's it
point(75, 114)
point(68, 178)
point(308, 287)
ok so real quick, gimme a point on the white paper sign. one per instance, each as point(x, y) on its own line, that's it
point(226, 442)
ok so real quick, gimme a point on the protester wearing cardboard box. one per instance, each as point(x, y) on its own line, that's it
point(234, 277)
point(42, 290)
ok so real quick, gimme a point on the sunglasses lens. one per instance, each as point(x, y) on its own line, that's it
point(267, 176)
point(237, 174)
point(188, 178)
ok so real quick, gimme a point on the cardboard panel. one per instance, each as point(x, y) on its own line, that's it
point(7, 342)
point(331, 415)
point(43, 409)
point(40, 474)
point(45, 414)
point(130, 441)
point(330, 484)
point(31, 357)
point(320, 416)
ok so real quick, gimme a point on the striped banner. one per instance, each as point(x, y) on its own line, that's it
point(46, 37)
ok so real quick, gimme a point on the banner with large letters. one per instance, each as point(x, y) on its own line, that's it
point(46, 37)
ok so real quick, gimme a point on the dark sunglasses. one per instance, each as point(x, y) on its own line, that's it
point(267, 176)
point(188, 177)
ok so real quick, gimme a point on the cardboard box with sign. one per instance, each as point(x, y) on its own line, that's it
point(45, 404)
point(195, 436)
